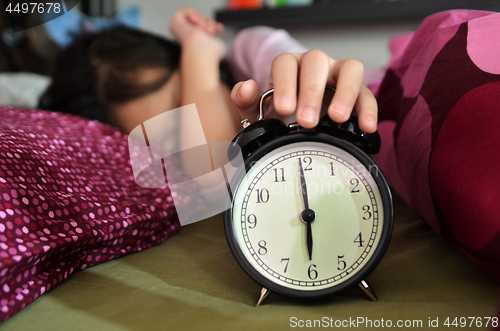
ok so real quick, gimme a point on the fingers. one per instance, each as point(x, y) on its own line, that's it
point(349, 75)
point(311, 70)
point(315, 66)
point(367, 110)
point(284, 71)
point(200, 20)
point(308, 74)
point(245, 96)
point(351, 93)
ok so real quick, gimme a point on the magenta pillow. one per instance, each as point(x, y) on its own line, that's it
point(68, 201)
point(440, 127)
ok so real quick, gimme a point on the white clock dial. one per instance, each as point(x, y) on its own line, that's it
point(267, 208)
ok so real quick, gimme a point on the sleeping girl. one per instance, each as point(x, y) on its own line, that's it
point(431, 132)
point(124, 77)
point(68, 196)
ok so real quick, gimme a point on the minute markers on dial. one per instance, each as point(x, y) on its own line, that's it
point(255, 217)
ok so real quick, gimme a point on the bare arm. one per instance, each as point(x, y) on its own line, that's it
point(201, 52)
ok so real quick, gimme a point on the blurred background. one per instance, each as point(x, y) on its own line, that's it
point(340, 39)
point(358, 29)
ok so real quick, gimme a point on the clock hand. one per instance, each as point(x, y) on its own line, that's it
point(307, 215)
point(309, 240)
point(303, 186)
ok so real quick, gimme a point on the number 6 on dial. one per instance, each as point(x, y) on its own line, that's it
point(311, 213)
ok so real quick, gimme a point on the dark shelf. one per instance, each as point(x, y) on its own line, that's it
point(348, 10)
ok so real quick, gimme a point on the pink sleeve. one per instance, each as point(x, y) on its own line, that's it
point(254, 50)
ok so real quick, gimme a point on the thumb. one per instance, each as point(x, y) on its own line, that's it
point(245, 96)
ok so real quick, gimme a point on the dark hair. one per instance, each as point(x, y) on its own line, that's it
point(100, 69)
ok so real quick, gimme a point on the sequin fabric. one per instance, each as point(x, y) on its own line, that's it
point(68, 201)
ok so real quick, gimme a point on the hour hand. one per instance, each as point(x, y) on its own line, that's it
point(308, 217)
point(309, 240)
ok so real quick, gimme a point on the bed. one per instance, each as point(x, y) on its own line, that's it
point(69, 203)
point(192, 282)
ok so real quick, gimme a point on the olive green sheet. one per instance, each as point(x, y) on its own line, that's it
point(192, 282)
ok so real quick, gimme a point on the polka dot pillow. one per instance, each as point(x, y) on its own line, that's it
point(68, 201)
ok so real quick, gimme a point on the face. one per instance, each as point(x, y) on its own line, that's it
point(128, 115)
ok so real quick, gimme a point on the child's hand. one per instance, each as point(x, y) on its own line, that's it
point(311, 72)
point(191, 27)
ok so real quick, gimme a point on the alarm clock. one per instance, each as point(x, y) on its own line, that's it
point(311, 213)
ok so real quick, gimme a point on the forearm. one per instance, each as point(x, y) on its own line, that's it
point(200, 84)
point(201, 51)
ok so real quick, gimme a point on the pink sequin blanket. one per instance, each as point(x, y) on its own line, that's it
point(68, 201)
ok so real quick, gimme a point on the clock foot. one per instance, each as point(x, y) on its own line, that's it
point(367, 290)
point(264, 295)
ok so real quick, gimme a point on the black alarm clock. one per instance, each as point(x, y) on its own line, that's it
point(311, 213)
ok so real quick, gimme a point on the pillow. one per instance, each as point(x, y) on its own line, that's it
point(68, 201)
point(439, 122)
point(22, 89)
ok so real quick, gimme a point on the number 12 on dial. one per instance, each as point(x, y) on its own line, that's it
point(310, 217)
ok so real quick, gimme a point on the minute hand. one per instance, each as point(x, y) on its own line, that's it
point(307, 215)
point(303, 186)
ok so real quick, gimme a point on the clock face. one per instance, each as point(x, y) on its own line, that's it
point(308, 216)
